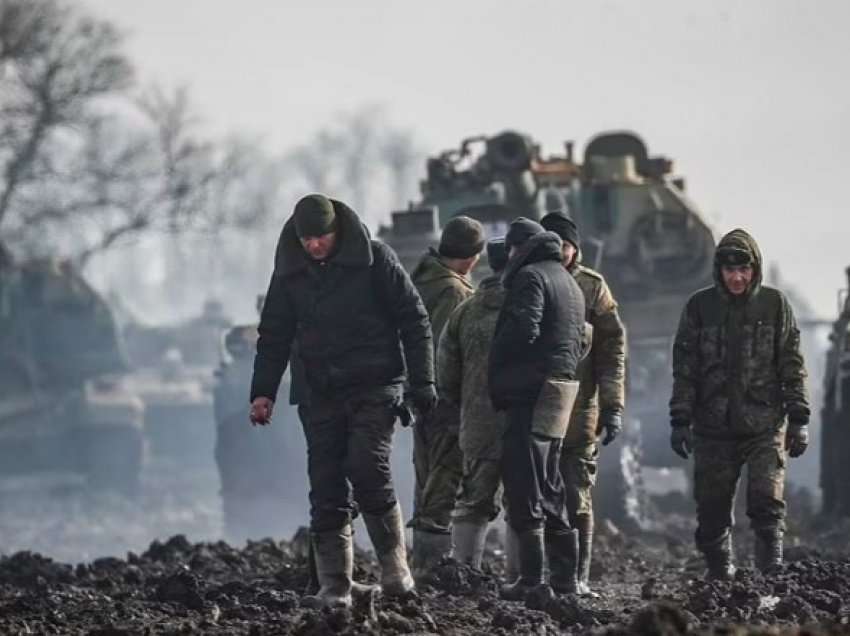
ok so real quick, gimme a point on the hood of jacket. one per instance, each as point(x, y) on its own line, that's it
point(741, 240)
point(432, 269)
point(545, 246)
point(354, 247)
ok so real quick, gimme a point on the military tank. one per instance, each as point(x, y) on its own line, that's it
point(638, 228)
point(835, 414)
point(64, 409)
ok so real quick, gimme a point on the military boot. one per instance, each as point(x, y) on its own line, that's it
point(511, 554)
point(429, 548)
point(387, 534)
point(768, 549)
point(530, 565)
point(562, 556)
point(718, 557)
point(334, 564)
point(584, 526)
point(468, 536)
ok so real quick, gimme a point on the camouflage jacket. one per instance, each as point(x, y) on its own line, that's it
point(602, 372)
point(737, 366)
point(462, 370)
point(441, 289)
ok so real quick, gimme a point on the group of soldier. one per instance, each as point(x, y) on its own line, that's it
point(511, 387)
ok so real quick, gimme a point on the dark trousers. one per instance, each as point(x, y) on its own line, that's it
point(534, 488)
point(348, 459)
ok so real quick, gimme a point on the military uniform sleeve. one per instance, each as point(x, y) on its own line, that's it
point(792, 368)
point(449, 300)
point(609, 351)
point(408, 312)
point(450, 360)
point(685, 367)
point(522, 312)
point(276, 333)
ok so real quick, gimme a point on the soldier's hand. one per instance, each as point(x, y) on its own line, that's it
point(682, 440)
point(261, 411)
point(612, 424)
point(424, 398)
point(796, 439)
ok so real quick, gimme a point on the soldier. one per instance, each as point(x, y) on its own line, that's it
point(462, 382)
point(442, 278)
point(600, 402)
point(737, 375)
point(533, 363)
point(350, 307)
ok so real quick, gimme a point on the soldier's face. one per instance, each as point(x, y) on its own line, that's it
point(737, 278)
point(319, 247)
point(569, 251)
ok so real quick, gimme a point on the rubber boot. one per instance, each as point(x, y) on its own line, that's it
point(429, 548)
point(584, 527)
point(468, 536)
point(562, 556)
point(768, 549)
point(387, 534)
point(718, 557)
point(511, 554)
point(334, 564)
point(530, 566)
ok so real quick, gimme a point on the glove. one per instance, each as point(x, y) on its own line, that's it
point(611, 423)
point(796, 439)
point(682, 440)
point(424, 398)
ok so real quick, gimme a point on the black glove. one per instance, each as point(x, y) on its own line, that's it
point(611, 423)
point(796, 439)
point(682, 440)
point(424, 398)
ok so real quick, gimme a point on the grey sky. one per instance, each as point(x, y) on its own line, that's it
point(750, 98)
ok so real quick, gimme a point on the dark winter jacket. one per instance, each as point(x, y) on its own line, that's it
point(737, 366)
point(540, 330)
point(349, 316)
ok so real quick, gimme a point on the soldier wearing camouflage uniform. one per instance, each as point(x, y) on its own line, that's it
point(462, 382)
point(601, 398)
point(739, 399)
point(442, 279)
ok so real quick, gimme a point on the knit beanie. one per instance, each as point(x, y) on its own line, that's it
point(497, 254)
point(463, 237)
point(520, 230)
point(314, 216)
point(563, 226)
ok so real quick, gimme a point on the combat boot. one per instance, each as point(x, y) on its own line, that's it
point(334, 564)
point(718, 557)
point(511, 553)
point(584, 526)
point(530, 565)
point(429, 548)
point(387, 534)
point(562, 556)
point(768, 549)
point(468, 536)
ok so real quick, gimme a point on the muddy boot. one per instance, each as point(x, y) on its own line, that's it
point(768, 549)
point(530, 566)
point(468, 537)
point(511, 554)
point(387, 534)
point(562, 556)
point(428, 550)
point(718, 557)
point(584, 527)
point(334, 564)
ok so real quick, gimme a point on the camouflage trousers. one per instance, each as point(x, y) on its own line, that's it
point(480, 490)
point(717, 471)
point(578, 469)
point(438, 467)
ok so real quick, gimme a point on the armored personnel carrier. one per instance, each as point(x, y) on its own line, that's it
point(638, 228)
point(64, 409)
point(835, 414)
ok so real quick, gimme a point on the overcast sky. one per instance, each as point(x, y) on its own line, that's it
point(750, 98)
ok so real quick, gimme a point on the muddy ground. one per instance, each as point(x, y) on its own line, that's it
point(650, 584)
